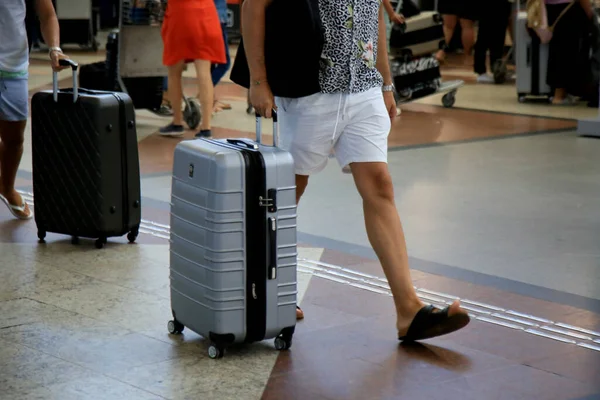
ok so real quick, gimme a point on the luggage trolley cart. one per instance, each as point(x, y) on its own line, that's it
point(140, 48)
point(431, 41)
point(78, 22)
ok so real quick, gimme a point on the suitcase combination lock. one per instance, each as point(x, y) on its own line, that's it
point(270, 201)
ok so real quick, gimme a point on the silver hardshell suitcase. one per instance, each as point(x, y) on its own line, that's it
point(233, 250)
point(531, 62)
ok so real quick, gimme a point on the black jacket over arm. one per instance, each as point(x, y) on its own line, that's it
point(294, 40)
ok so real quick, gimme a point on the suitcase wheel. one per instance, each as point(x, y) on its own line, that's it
point(74, 240)
point(449, 99)
point(100, 242)
point(175, 327)
point(283, 343)
point(41, 235)
point(132, 236)
point(215, 351)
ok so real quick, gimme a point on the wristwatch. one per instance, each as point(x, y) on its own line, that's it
point(388, 88)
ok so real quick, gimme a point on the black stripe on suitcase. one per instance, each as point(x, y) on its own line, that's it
point(257, 241)
point(256, 244)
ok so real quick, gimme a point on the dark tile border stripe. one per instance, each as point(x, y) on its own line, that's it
point(592, 397)
point(449, 271)
point(484, 139)
point(512, 114)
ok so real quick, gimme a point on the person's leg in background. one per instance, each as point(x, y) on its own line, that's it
point(219, 71)
point(481, 47)
point(175, 93)
point(165, 108)
point(564, 50)
point(491, 36)
point(468, 38)
point(205, 96)
point(450, 22)
point(498, 30)
point(14, 109)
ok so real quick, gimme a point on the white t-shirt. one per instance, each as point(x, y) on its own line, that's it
point(14, 49)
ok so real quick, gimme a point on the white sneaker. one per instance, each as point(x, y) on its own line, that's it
point(485, 78)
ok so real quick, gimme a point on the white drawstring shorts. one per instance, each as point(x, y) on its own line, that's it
point(354, 126)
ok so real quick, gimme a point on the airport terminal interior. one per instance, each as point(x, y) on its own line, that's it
point(500, 203)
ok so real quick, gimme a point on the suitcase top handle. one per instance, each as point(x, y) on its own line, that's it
point(275, 128)
point(65, 63)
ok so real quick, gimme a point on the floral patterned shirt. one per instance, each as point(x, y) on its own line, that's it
point(350, 50)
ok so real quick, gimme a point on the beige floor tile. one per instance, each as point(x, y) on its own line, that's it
point(97, 387)
point(22, 311)
point(23, 273)
point(141, 267)
point(197, 377)
point(503, 98)
point(120, 306)
point(90, 343)
point(22, 368)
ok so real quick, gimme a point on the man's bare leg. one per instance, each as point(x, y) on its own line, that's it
point(385, 233)
point(301, 183)
point(11, 150)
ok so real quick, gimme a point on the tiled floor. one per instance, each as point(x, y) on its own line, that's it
point(500, 206)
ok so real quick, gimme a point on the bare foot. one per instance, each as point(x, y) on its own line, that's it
point(219, 106)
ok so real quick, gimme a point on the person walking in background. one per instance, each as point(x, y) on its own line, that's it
point(565, 55)
point(191, 32)
point(219, 70)
point(455, 12)
point(493, 21)
point(14, 91)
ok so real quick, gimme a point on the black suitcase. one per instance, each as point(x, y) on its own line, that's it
point(417, 78)
point(86, 174)
point(94, 76)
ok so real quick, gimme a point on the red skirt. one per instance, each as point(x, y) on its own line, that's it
point(191, 31)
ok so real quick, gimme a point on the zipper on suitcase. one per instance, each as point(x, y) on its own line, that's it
point(124, 169)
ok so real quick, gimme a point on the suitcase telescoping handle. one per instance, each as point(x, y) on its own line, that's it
point(65, 63)
point(275, 128)
point(252, 145)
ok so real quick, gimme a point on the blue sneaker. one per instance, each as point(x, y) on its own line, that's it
point(171, 130)
point(205, 133)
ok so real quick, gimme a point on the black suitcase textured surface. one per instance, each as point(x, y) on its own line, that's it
point(86, 177)
point(416, 78)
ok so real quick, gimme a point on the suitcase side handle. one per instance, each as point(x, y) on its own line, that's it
point(65, 62)
point(275, 129)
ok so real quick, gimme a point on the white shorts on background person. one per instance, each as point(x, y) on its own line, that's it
point(355, 126)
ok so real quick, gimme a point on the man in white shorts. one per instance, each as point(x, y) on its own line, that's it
point(351, 116)
point(14, 91)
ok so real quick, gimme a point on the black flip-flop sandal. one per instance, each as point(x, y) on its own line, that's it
point(431, 322)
